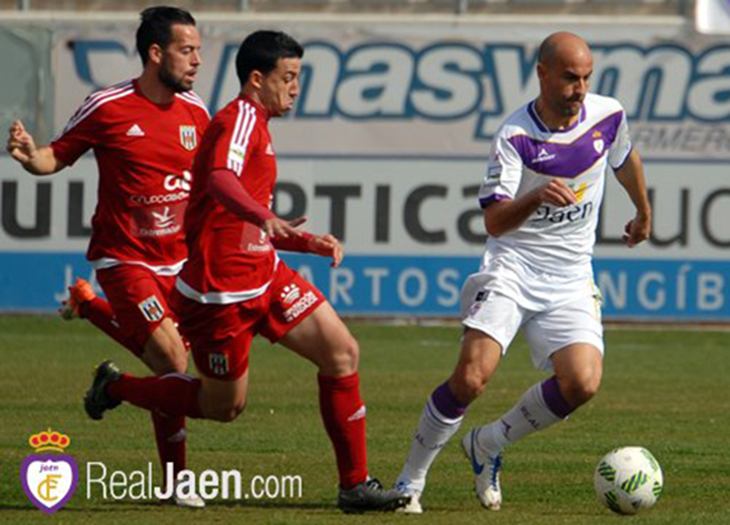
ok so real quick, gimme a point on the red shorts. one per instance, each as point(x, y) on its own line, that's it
point(221, 335)
point(139, 298)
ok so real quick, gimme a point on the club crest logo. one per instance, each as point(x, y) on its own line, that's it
point(48, 480)
point(218, 364)
point(598, 145)
point(151, 308)
point(188, 137)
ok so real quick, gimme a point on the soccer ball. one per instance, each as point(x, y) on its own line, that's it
point(628, 480)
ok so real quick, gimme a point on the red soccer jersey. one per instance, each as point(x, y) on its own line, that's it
point(145, 155)
point(230, 260)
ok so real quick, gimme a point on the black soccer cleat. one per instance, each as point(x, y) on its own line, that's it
point(96, 400)
point(370, 496)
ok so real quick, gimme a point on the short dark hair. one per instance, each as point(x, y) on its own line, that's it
point(261, 51)
point(156, 27)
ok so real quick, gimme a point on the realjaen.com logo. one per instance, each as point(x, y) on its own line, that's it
point(48, 480)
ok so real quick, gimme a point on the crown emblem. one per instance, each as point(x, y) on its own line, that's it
point(49, 440)
point(597, 134)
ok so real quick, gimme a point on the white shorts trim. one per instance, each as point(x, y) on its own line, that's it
point(165, 271)
point(219, 297)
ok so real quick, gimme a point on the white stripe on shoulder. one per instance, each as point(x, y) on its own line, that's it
point(90, 99)
point(245, 123)
point(232, 161)
point(192, 98)
point(93, 106)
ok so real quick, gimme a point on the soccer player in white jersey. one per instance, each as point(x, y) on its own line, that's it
point(541, 196)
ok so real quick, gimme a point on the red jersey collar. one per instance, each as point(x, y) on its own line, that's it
point(259, 108)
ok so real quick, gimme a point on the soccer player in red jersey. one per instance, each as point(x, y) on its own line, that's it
point(144, 134)
point(234, 285)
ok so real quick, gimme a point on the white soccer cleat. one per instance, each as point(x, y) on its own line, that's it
point(414, 505)
point(190, 502)
point(486, 469)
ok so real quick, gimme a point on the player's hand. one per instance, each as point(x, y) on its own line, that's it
point(557, 193)
point(637, 230)
point(21, 145)
point(277, 227)
point(327, 246)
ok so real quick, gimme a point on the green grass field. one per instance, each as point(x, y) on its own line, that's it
point(665, 390)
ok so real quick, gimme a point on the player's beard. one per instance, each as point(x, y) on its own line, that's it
point(567, 108)
point(177, 84)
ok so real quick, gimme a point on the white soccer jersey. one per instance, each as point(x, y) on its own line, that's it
point(526, 155)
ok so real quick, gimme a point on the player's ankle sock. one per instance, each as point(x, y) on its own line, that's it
point(99, 313)
point(440, 419)
point(540, 407)
point(170, 437)
point(175, 395)
point(343, 413)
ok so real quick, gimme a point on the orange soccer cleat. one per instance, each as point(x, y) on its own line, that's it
point(79, 293)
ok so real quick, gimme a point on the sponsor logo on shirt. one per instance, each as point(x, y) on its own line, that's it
point(164, 219)
point(237, 153)
point(174, 182)
point(188, 137)
point(494, 171)
point(543, 156)
point(270, 150)
point(159, 199)
point(301, 306)
point(290, 293)
point(579, 190)
point(152, 309)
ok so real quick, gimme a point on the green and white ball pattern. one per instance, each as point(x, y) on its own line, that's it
point(628, 480)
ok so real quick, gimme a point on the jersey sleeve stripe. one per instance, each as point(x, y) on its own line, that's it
point(231, 163)
point(92, 97)
point(93, 107)
point(245, 124)
point(100, 94)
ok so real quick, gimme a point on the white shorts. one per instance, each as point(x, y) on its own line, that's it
point(547, 329)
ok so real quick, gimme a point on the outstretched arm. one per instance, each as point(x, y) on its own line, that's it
point(224, 186)
point(631, 177)
point(35, 160)
point(323, 245)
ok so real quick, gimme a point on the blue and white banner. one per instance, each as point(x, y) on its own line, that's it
point(650, 289)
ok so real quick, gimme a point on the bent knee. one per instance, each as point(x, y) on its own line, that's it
point(583, 389)
point(226, 413)
point(165, 357)
point(343, 358)
point(468, 383)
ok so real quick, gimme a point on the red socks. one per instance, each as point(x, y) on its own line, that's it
point(169, 430)
point(170, 437)
point(343, 413)
point(174, 395)
point(100, 314)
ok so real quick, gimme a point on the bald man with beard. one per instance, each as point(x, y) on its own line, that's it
point(541, 196)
